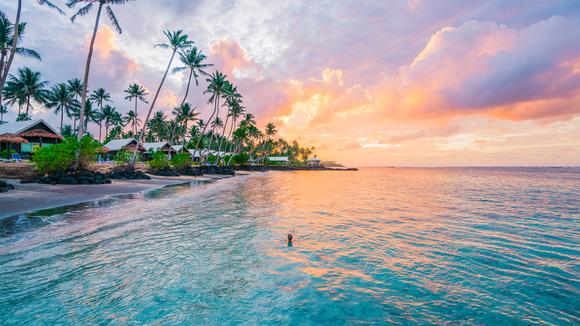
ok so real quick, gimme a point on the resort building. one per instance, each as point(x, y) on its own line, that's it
point(179, 149)
point(23, 136)
point(315, 162)
point(279, 159)
point(162, 146)
point(128, 144)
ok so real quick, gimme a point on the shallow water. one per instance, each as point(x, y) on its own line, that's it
point(400, 246)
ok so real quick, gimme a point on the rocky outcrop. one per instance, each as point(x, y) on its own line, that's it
point(127, 174)
point(5, 187)
point(212, 169)
point(75, 178)
point(164, 172)
point(191, 171)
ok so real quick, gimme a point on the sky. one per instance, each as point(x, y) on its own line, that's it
point(367, 83)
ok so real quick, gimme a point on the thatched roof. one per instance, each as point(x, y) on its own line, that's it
point(11, 138)
point(40, 133)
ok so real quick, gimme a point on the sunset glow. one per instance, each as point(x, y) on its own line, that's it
point(371, 83)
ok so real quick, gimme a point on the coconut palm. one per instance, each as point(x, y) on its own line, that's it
point(216, 87)
point(183, 114)
point(176, 41)
point(99, 97)
point(28, 84)
point(61, 100)
point(11, 51)
point(233, 98)
point(87, 6)
point(90, 114)
point(136, 92)
point(158, 125)
point(270, 131)
point(75, 86)
point(192, 59)
point(109, 114)
point(3, 110)
point(132, 119)
point(23, 117)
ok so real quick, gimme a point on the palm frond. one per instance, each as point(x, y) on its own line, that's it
point(83, 11)
point(178, 69)
point(50, 5)
point(114, 20)
point(28, 53)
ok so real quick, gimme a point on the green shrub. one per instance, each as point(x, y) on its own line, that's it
point(159, 161)
point(241, 158)
point(60, 158)
point(211, 159)
point(181, 161)
point(5, 154)
point(123, 157)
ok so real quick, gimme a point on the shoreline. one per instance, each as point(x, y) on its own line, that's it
point(31, 197)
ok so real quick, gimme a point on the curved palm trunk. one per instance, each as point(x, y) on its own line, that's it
point(203, 131)
point(136, 114)
point(100, 129)
point(12, 52)
point(61, 118)
point(182, 102)
point(221, 139)
point(87, 69)
point(142, 133)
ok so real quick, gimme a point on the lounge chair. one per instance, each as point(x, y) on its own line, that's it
point(16, 157)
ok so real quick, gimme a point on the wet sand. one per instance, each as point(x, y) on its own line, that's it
point(33, 196)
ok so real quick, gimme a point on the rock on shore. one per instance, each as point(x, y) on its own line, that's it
point(164, 172)
point(212, 169)
point(81, 177)
point(5, 187)
point(128, 175)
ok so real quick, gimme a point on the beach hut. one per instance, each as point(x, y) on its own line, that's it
point(127, 144)
point(283, 160)
point(162, 146)
point(23, 136)
point(314, 162)
point(180, 149)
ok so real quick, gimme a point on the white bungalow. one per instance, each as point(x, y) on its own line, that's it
point(279, 159)
point(161, 146)
point(127, 144)
point(315, 161)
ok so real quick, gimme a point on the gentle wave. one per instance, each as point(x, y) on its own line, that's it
point(400, 246)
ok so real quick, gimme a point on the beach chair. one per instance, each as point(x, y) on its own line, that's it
point(16, 157)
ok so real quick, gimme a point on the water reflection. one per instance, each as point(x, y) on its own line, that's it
point(401, 246)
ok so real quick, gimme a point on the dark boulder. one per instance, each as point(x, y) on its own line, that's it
point(213, 169)
point(74, 178)
point(164, 172)
point(128, 174)
point(5, 187)
point(191, 171)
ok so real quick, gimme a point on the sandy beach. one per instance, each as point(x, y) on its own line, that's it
point(33, 196)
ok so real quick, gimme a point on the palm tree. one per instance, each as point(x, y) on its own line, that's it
point(100, 96)
point(98, 118)
point(82, 12)
point(29, 85)
point(3, 110)
point(271, 131)
point(23, 117)
point(216, 87)
point(133, 120)
point(136, 92)
point(67, 131)
point(192, 59)
point(61, 100)
point(17, 37)
point(183, 114)
point(158, 125)
point(233, 98)
point(90, 115)
point(108, 113)
point(75, 86)
point(176, 41)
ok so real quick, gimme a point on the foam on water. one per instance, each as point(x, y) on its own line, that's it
point(401, 246)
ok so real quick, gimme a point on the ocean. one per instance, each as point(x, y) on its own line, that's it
point(485, 246)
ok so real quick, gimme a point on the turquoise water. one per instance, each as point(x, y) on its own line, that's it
point(384, 246)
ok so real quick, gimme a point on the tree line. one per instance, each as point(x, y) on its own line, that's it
point(230, 128)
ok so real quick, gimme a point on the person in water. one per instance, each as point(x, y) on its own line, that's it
point(290, 238)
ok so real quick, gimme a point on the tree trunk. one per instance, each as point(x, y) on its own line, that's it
point(222, 139)
point(87, 70)
point(12, 52)
point(203, 131)
point(100, 128)
point(61, 119)
point(27, 104)
point(141, 134)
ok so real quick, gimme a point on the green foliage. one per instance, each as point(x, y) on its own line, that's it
point(181, 161)
point(60, 158)
point(211, 159)
point(35, 148)
point(122, 157)
point(5, 154)
point(159, 161)
point(240, 158)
